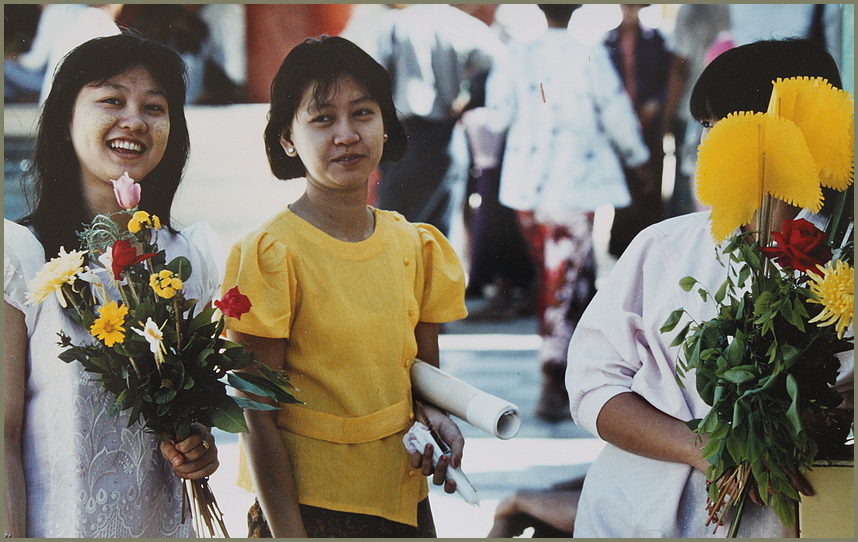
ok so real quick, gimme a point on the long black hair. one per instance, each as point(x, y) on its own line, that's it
point(56, 190)
point(320, 62)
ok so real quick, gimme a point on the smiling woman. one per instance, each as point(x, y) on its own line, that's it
point(71, 469)
point(119, 126)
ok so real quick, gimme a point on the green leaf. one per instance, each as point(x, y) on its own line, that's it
point(722, 291)
point(244, 402)
point(738, 375)
point(118, 404)
point(793, 412)
point(201, 319)
point(672, 320)
point(680, 337)
point(181, 266)
point(228, 416)
point(164, 397)
point(687, 283)
point(261, 386)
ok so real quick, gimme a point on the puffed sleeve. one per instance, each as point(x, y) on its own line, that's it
point(261, 267)
point(444, 278)
point(23, 257)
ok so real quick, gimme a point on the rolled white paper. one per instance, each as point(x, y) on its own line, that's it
point(480, 409)
point(417, 438)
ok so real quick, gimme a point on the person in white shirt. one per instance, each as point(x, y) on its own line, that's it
point(570, 128)
point(649, 480)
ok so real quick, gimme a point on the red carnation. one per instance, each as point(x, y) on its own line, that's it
point(124, 255)
point(800, 245)
point(233, 303)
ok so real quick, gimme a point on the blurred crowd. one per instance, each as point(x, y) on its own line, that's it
point(520, 127)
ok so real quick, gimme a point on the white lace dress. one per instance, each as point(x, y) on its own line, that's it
point(89, 475)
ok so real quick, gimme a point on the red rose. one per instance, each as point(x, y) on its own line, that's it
point(800, 245)
point(124, 255)
point(233, 303)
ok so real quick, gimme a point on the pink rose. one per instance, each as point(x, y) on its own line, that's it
point(233, 303)
point(127, 191)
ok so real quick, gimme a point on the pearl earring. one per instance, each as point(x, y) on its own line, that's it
point(290, 151)
point(385, 138)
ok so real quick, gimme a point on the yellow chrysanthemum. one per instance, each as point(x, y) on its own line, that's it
point(142, 219)
point(835, 291)
point(808, 101)
point(165, 283)
point(747, 155)
point(60, 270)
point(108, 326)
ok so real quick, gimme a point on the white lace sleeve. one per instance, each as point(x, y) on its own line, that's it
point(23, 256)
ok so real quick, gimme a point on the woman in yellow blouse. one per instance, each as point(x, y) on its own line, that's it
point(344, 298)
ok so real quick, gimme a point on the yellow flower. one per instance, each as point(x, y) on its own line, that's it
point(142, 219)
point(165, 283)
point(805, 101)
point(835, 291)
point(108, 326)
point(747, 155)
point(804, 139)
point(60, 270)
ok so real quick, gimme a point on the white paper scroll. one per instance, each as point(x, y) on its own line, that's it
point(417, 438)
point(480, 409)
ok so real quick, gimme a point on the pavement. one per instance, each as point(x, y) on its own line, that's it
point(227, 183)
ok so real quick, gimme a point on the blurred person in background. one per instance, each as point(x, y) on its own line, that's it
point(76, 27)
point(570, 128)
point(696, 29)
point(432, 51)
point(642, 60)
point(24, 71)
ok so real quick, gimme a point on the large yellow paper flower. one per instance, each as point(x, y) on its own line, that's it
point(835, 291)
point(50, 279)
point(804, 139)
point(747, 155)
point(108, 326)
point(825, 116)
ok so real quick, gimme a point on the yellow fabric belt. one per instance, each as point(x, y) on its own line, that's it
point(328, 427)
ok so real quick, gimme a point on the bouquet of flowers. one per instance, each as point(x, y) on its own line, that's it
point(766, 361)
point(158, 360)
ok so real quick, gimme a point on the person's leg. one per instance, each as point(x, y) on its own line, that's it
point(570, 265)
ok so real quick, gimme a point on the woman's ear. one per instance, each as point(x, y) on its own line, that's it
point(287, 145)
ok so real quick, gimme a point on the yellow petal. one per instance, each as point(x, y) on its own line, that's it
point(825, 116)
point(748, 154)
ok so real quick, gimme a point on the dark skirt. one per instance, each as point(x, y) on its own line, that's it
point(324, 523)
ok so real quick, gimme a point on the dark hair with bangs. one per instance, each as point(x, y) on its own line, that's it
point(56, 191)
point(321, 62)
point(740, 79)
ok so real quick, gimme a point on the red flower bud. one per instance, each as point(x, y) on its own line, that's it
point(124, 255)
point(800, 245)
point(233, 303)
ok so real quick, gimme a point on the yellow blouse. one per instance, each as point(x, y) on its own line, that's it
point(348, 311)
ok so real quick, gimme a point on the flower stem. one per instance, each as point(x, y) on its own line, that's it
point(178, 327)
point(737, 515)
